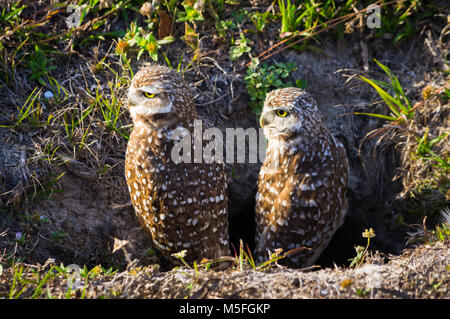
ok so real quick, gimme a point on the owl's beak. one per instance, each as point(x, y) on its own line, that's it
point(261, 121)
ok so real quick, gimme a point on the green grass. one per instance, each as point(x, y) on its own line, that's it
point(31, 110)
point(34, 282)
point(242, 260)
point(397, 102)
point(425, 151)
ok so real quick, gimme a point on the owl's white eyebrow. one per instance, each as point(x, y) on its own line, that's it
point(278, 108)
point(150, 89)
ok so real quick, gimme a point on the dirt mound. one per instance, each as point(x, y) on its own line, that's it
point(416, 273)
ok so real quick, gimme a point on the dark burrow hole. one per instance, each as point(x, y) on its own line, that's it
point(362, 214)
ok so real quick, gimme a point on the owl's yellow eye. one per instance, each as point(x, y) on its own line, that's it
point(282, 113)
point(149, 95)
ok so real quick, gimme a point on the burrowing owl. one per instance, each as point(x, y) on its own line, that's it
point(301, 199)
point(181, 205)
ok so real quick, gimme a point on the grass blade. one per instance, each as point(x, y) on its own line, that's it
point(390, 101)
point(381, 116)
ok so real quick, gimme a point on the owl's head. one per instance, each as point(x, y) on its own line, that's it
point(287, 112)
point(159, 94)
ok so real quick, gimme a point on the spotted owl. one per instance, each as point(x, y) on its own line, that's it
point(182, 205)
point(301, 198)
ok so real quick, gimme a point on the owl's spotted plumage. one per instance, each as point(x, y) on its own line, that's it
point(181, 206)
point(301, 199)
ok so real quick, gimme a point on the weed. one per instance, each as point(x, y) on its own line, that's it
point(58, 235)
point(11, 17)
point(39, 288)
point(289, 22)
point(398, 104)
point(442, 232)
point(219, 5)
point(30, 110)
point(111, 110)
point(180, 255)
point(149, 43)
point(240, 16)
point(57, 90)
point(17, 279)
point(240, 47)
point(404, 114)
point(260, 20)
point(361, 252)
point(261, 79)
point(425, 152)
point(191, 38)
point(241, 260)
point(362, 292)
point(190, 13)
point(39, 65)
point(245, 258)
point(143, 39)
point(223, 26)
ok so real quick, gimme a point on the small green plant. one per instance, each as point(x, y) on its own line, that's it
point(191, 38)
point(361, 252)
point(24, 279)
point(260, 79)
point(242, 260)
point(240, 47)
point(308, 18)
point(260, 20)
point(222, 26)
point(17, 280)
point(190, 14)
point(219, 5)
point(151, 45)
point(143, 39)
point(58, 235)
point(362, 291)
point(40, 283)
point(442, 232)
point(425, 152)
point(39, 65)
